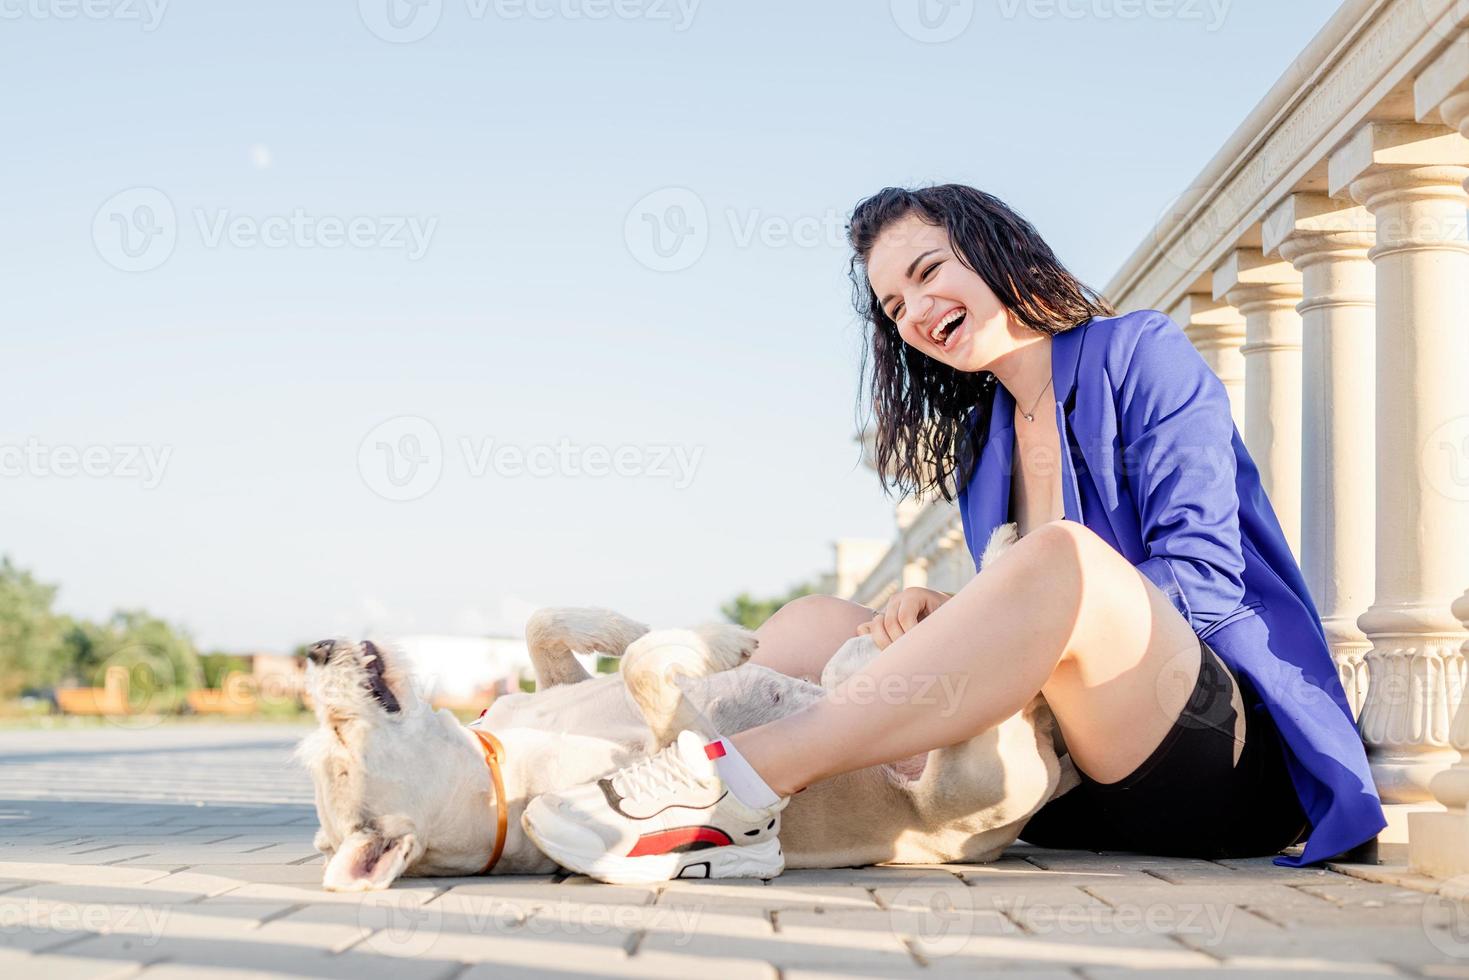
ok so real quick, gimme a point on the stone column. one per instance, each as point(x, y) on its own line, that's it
point(1327, 242)
point(1410, 177)
point(1438, 843)
point(1217, 331)
point(1266, 292)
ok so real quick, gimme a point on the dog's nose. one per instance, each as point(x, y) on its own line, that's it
point(320, 653)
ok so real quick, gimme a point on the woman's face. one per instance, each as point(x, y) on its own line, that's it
point(941, 307)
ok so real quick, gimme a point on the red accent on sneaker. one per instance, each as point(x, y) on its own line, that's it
point(715, 750)
point(679, 839)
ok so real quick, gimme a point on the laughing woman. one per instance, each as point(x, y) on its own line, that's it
point(1151, 596)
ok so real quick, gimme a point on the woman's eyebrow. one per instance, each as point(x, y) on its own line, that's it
point(909, 274)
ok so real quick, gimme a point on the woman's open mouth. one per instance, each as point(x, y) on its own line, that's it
point(946, 332)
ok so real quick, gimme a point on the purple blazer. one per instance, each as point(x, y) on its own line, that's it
point(1155, 467)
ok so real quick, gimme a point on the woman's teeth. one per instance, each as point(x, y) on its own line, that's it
point(948, 328)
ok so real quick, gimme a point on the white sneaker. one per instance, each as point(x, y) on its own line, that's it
point(667, 816)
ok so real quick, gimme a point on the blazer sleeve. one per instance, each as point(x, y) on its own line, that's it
point(1177, 436)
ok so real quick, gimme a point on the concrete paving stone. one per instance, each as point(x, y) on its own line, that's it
point(46, 871)
point(874, 877)
point(297, 894)
point(1389, 874)
point(330, 937)
point(1346, 944)
point(533, 890)
point(205, 884)
point(676, 928)
point(103, 894)
point(1023, 874)
point(189, 854)
point(1257, 969)
point(1240, 894)
point(716, 896)
point(806, 947)
point(1259, 869)
point(923, 894)
point(977, 955)
point(286, 874)
point(548, 961)
point(57, 967)
point(848, 973)
point(665, 927)
point(1105, 861)
point(1368, 906)
point(1053, 898)
point(174, 971)
point(89, 858)
point(1156, 926)
point(242, 953)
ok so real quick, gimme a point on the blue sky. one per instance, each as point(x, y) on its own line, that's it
point(258, 257)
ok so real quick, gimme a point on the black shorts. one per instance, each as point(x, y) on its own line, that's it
point(1193, 796)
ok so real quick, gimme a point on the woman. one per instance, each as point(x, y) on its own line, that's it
point(1151, 597)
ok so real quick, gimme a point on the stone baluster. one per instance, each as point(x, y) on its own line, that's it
point(1266, 292)
point(1217, 331)
point(1438, 843)
point(1410, 177)
point(1327, 242)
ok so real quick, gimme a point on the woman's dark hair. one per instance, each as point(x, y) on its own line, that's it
point(920, 404)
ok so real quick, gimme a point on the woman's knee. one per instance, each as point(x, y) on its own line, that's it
point(801, 636)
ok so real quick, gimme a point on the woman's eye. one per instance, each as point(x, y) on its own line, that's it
point(929, 271)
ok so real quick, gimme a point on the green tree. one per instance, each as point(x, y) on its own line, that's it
point(30, 633)
point(751, 613)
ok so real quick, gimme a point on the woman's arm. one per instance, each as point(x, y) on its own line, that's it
point(1177, 450)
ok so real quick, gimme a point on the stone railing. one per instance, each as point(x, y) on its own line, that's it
point(1320, 264)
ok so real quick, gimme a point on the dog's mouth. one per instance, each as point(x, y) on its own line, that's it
point(375, 682)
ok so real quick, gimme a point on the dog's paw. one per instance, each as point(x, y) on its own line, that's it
point(729, 645)
point(1000, 541)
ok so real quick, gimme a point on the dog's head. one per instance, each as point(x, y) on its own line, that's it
point(400, 787)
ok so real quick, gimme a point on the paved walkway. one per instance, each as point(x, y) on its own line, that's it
point(185, 851)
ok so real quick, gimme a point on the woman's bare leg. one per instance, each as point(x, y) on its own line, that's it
point(801, 636)
point(1060, 613)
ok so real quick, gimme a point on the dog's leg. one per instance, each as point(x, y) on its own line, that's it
point(655, 663)
point(552, 635)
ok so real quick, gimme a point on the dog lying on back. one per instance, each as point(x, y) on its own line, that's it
point(403, 789)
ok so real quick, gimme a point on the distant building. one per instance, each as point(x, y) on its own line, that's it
point(463, 670)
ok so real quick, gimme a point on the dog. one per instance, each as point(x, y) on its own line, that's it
point(403, 789)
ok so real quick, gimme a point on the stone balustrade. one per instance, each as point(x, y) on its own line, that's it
point(1320, 265)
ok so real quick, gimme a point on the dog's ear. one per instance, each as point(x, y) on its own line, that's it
point(369, 860)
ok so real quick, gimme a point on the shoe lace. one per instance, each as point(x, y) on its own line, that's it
point(664, 773)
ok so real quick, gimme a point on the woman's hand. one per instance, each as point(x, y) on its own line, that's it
point(902, 612)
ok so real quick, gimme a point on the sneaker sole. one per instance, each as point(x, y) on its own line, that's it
point(763, 860)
